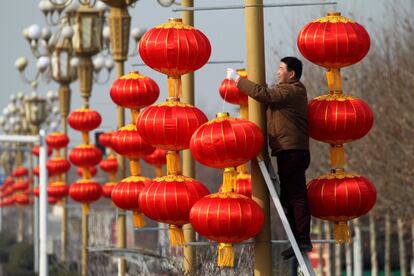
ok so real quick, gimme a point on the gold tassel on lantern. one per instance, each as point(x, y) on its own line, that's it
point(229, 180)
point(341, 232)
point(333, 77)
point(176, 235)
point(225, 255)
point(85, 137)
point(173, 163)
point(85, 208)
point(174, 87)
point(337, 157)
point(244, 111)
point(134, 167)
point(138, 219)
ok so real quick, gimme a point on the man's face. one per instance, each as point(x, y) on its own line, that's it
point(283, 75)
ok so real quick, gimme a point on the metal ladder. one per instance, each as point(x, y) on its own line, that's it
point(271, 180)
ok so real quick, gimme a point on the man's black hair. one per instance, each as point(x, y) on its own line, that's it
point(293, 64)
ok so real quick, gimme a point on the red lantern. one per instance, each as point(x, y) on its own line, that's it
point(8, 182)
point(21, 185)
point(226, 142)
point(125, 196)
point(20, 172)
point(169, 199)
point(340, 197)
point(84, 119)
point(92, 171)
point(170, 125)
point(36, 191)
point(333, 41)
point(22, 199)
point(127, 141)
point(85, 192)
point(8, 201)
point(58, 190)
point(157, 158)
point(36, 150)
point(109, 165)
point(230, 93)
point(107, 189)
point(56, 140)
point(226, 218)
point(338, 119)
point(134, 91)
point(57, 166)
point(244, 185)
point(85, 156)
point(52, 200)
point(105, 139)
point(174, 49)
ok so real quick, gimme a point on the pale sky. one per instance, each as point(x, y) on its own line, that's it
point(225, 30)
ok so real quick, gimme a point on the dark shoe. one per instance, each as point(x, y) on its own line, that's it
point(289, 253)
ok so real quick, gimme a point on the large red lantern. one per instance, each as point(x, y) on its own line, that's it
point(56, 140)
point(226, 218)
point(21, 185)
point(127, 141)
point(125, 196)
point(20, 172)
point(168, 199)
point(57, 190)
point(85, 155)
point(57, 166)
point(174, 49)
point(226, 142)
point(170, 125)
point(340, 197)
point(230, 93)
point(85, 192)
point(109, 165)
point(84, 119)
point(134, 91)
point(338, 119)
point(333, 41)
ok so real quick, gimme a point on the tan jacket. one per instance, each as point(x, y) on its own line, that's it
point(287, 113)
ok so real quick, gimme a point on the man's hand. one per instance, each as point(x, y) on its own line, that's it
point(232, 74)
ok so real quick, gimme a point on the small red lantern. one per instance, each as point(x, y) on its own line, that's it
point(85, 156)
point(226, 142)
point(127, 141)
point(36, 191)
point(22, 199)
point(244, 185)
point(333, 41)
point(168, 199)
point(230, 93)
point(84, 119)
point(85, 192)
point(109, 165)
point(58, 190)
point(20, 172)
point(52, 200)
point(36, 150)
point(21, 185)
point(338, 119)
point(57, 166)
point(56, 140)
point(92, 171)
point(340, 197)
point(134, 91)
point(170, 125)
point(107, 189)
point(174, 49)
point(226, 218)
point(105, 139)
point(157, 158)
point(125, 196)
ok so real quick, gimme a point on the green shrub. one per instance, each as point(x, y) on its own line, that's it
point(21, 255)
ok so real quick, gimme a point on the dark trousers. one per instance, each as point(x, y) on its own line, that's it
point(292, 165)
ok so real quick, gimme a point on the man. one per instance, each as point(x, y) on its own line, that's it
point(287, 126)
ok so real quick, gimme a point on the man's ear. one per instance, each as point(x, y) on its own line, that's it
point(292, 75)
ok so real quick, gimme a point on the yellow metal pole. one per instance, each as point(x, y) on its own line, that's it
point(188, 162)
point(64, 100)
point(256, 73)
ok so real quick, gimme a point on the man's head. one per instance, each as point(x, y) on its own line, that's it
point(289, 68)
